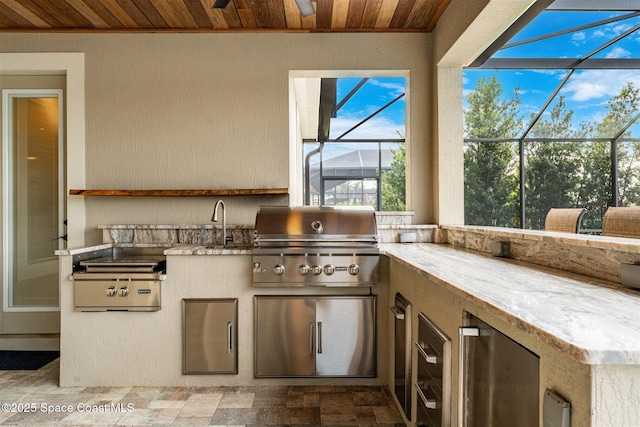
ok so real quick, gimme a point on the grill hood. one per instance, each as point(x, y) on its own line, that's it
point(313, 224)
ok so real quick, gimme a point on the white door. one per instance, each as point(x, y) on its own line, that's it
point(32, 203)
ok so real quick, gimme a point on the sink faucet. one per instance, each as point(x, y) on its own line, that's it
point(214, 218)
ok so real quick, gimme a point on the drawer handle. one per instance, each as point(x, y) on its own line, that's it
point(398, 312)
point(428, 403)
point(430, 358)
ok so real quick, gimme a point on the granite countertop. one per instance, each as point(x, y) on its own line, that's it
point(593, 321)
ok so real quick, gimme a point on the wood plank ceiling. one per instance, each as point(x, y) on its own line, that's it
point(238, 16)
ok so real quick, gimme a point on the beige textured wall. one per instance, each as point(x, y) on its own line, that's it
point(184, 111)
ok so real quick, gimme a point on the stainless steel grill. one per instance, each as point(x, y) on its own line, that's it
point(118, 279)
point(315, 246)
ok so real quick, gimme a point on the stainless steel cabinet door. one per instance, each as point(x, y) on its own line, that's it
point(345, 336)
point(210, 336)
point(285, 336)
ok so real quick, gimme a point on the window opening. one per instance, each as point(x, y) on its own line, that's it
point(368, 167)
point(554, 117)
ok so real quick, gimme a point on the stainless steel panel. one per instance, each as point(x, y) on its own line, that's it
point(556, 412)
point(341, 275)
point(346, 333)
point(116, 295)
point(210, 336)
point(285, 336)
point(402, 352)
point(501, 379)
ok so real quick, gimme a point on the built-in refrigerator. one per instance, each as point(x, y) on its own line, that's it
point(499, 380)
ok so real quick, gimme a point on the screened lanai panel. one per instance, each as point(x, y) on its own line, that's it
point(564, 88)
point(529, 90)
point(591, 104)
point(352, 119)
point(574, 34)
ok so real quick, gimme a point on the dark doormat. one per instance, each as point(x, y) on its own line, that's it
point(12, 360)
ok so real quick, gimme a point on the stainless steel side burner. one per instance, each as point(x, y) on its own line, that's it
point(119, 279)
point(315, 246)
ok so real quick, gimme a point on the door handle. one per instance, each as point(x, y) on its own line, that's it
point(319, 337)
point(311, 338)
point(63, 237)
point(229, 337)
point(463, 333)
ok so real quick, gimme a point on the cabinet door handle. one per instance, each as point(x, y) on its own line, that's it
point(229, 337)
point(311, 338)
point(398, 312)
point(319, 337)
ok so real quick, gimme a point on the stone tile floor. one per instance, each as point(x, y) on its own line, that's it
point(51, 405)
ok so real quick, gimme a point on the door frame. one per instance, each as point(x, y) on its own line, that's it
point(7, 140)
point(71, 65)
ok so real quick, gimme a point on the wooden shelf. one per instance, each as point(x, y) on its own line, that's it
point(182, 193)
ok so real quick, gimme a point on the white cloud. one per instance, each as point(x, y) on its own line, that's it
point(596, 84)
point(377, 127)
point(619, 52)
point(610, 30)
point(578, 36)
point(397, 88)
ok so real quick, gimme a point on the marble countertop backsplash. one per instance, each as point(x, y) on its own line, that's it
point(594, 256)
point(175, 235)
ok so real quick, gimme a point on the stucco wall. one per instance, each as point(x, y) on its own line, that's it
point(184, 111)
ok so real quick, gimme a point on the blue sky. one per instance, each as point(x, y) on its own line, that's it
point(377, 92)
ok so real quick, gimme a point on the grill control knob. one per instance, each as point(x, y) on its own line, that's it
point(278, 270)
point(303, 269)
point(124, 291)
point(354, 269)
point(316, 269)
point(111, 291)
point(329, 269)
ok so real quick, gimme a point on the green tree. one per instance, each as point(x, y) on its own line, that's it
point(597, 179)
point(554, 169)
point(490, 176)
point(394, 182)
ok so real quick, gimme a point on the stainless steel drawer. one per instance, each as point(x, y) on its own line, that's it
point(429, 407)
point(433, 386)
point(430, 366)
